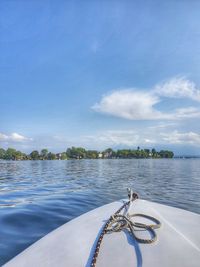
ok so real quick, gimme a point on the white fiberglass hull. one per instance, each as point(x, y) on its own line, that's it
point(73, 243)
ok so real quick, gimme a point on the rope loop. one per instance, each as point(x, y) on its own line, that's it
point(119, 222)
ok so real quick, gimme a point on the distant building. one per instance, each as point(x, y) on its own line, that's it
point(58, 156)
point(107, 154)
point(100, 155)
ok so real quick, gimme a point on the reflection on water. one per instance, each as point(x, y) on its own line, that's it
point(38, 196)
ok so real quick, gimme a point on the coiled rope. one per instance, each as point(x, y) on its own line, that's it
point(118, 222)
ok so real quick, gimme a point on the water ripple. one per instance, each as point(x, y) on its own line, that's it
point(38, 196)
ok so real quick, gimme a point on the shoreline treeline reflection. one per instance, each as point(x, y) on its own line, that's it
point(82, 153)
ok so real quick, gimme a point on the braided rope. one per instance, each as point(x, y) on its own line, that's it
point(118, 222)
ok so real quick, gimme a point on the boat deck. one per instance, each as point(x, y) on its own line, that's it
point(73, 244)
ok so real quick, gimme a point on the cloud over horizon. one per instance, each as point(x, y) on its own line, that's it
point(14, 137)
point(176, 137)
point(178, 87)
point(166, 127)
point(157, 136)
point(137, 104)
point(131, 138)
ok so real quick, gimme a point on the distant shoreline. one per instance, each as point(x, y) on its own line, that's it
point(81, 153)
point(187, 157)
point(175, 157)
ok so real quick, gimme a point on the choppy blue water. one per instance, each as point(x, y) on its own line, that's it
point(38, 196)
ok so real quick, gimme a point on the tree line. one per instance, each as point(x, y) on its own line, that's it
point(82, 153)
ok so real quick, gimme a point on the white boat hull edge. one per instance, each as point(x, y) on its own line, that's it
point(73, 243)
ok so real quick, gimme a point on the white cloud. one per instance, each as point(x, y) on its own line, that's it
point(134, 104)
point(3, 137)
point(182, 138)
point(129, 104)
point(19, 138)
point(132, 138)
point(189, 112)
point(178, 88)
point(118, 138)
point(163, 125)
point(14, 137)
point(149, 141)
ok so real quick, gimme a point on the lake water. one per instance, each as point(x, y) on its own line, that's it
point(38, 196)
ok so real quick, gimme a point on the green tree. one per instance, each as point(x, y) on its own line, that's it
point(134, 153)
point(154, 153)
point(91, 154)
point(51, 156)
point(124, 153)
point(18, 155)
point(2, 153)
point(143, 154)
point(63, 156)
point(166, 154)
point(34, 155)
point(10, 154)
point(44, 153)
point(76, 152)
point(147, 151)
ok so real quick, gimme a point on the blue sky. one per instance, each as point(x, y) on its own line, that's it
point(100, 74)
